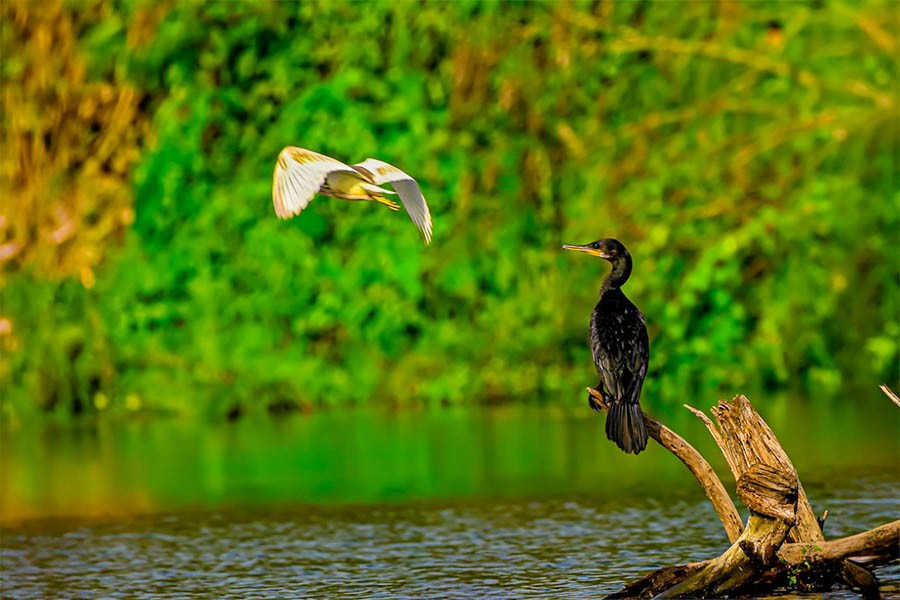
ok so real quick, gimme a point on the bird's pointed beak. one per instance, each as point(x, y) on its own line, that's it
point(587, 249)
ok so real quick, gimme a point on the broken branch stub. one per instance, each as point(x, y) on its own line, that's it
point(749, 440)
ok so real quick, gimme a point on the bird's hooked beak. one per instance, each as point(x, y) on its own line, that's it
point(588, 249)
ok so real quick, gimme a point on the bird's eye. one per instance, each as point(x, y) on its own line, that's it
point(595, 246)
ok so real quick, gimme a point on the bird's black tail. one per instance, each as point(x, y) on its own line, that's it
point(625, 426)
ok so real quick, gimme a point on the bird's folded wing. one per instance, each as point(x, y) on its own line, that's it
point(638, 357)
point(406, 187)
point(299, 173)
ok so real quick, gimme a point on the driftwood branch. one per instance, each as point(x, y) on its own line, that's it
point(713, 432)
point(767, 484)
point(883, 541)
point(697, 465)
point(782, 544)
point(890, 394)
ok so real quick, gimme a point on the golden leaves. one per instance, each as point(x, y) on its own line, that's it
point(69, 146)
point(472, 67)
point(147, 18)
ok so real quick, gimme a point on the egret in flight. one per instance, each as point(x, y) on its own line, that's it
point(300, 174)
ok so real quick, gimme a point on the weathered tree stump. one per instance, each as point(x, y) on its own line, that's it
point(782, 544)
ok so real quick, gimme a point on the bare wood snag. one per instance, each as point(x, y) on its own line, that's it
point(782, 544)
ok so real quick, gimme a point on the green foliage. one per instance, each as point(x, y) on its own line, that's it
point(745, 153)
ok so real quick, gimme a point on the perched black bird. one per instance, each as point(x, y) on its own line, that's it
point(620, 348)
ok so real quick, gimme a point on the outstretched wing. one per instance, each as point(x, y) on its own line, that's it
point(299, 173)
point(405, 186)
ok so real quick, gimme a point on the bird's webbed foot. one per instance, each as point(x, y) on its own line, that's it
point(592, 401)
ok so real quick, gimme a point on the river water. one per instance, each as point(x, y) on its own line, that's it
point(448, 504)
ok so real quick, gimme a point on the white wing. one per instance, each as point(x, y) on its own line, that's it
point(299, 173)
point(406, 187)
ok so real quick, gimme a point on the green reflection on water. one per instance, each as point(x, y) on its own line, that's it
point(338, 457)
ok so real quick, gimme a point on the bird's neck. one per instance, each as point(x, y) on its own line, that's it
point(621, 271)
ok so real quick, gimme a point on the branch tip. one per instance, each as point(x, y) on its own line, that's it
point(890, 394)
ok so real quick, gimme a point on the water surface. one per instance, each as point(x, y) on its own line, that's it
point(584, 547)
point(512, 502)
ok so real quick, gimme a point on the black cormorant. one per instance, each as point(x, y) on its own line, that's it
point(620, 348)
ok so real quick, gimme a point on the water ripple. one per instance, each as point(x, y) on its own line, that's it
point(546, 548)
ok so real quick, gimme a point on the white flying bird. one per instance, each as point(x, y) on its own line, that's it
point(300, 174)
